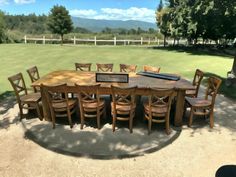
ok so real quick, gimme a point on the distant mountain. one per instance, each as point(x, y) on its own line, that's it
point(98, 25)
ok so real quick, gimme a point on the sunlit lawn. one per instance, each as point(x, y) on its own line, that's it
point(16, 58)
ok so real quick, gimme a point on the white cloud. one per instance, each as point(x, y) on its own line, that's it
point(24, 1)
point(4, 2)
point(133, 13)
point(83, 13)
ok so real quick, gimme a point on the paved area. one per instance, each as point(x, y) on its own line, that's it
point(197, 151)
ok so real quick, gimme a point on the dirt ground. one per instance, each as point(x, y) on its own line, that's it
point(198, 151)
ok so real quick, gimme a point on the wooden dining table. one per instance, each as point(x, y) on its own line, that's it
point(71, 78)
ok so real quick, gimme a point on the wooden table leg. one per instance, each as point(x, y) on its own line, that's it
point(179, 107)
point(46, 109)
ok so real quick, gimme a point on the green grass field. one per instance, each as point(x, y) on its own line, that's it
point(16, 58)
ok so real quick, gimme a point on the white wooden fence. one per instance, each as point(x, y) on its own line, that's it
point(96, 41)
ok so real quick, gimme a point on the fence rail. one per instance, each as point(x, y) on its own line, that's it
point(95, 41)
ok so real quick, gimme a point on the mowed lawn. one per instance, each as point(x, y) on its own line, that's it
point(16, 58)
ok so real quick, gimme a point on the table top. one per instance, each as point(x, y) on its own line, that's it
point(88, 78)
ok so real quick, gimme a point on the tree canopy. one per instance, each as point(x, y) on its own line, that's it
point(2, 27)
point(194, 19)
point(59, 21)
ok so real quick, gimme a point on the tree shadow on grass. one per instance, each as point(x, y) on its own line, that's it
point(199, 50)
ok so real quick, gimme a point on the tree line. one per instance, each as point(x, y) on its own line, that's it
point(209, 20)
point(57, 22)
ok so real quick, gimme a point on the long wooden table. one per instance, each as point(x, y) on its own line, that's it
point(142, 82)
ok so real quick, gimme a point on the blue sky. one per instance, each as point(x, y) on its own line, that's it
point(96, 9)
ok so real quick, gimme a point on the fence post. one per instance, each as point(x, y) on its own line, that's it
point(158, 42)
point(74, 40)
point(43, 39)
point(124, 42)
point(141, 40)
point(95, 40)
point(25, 39)
point(115, 40)
point(149, 41)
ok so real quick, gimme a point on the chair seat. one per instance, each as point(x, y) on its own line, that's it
point(61, 105)
point(161, 109)
point(31, 98)
point(122, 108)
point(93, 105)
point(198, 102)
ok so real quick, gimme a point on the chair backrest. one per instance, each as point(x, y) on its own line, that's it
point(160, 98)
point(212, 88)
point(123, 96)
point(147, 68)
point(56, 94)
point(33, 73)
point(198, 76)
point(83, 66)
point(104, 67)
point(18, 84)
point(128, 68)
point(88, 94)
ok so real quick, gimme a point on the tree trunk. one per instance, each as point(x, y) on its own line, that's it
point(62, 39)
point(164, 40)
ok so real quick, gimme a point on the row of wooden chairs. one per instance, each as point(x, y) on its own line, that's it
point(123, 104)
point(109, 67)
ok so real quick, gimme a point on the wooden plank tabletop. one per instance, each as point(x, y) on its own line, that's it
point(86, 78)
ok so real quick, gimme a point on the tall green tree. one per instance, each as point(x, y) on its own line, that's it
point(2, 27)
point(59, 21)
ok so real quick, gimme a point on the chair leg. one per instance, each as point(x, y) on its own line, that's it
point(190, 118)
point(149, 125)
point(113, 123)
point(131, 125)
point(82, 122)
point(167, 127)
point(70, 121)
point(98, 121)
point(211, 119)
point(21, 112)
point(53, 121)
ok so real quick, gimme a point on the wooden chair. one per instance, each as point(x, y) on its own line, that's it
point(123, 105)
point(128, 68)
point(25, 100)
point(83, 66)
point(157, 109)
point(196, 83)
point(91, 106)
point(34, 76)
point(151, 69)
point(104, 67)
point(59, 103)
point(204, 106)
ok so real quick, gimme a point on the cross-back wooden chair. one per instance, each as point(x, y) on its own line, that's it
point(91, 105)
point(198, 76)
point(83, 66)
point(123, 105)
point(104, 67)
point(59, 103)
point(157, 109)
point(34, 76)
point(25, 100)
point(147, 68)
point(128, 68)
point(205, 106)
